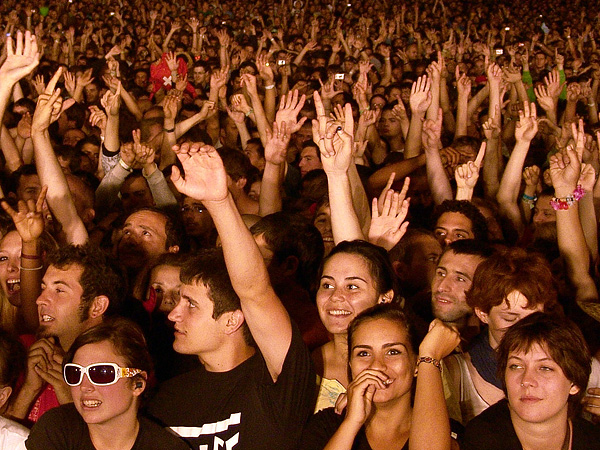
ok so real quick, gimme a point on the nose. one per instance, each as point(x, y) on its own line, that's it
point(378, 362)
point(528, 377)
point(443, 284)
point(13, 265)
point(537, 217)
point(42, 299)
point(86, 384)
point(175, 314)
point(336, 295)
point(448, 240)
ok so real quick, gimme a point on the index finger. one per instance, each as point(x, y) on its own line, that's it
point(53, 81)
point(480, 155)
point(40, 200)
point(319, 105)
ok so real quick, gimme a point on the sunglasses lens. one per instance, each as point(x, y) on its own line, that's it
point(102, 374)
point(72, 375)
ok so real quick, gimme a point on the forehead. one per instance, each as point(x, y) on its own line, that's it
point(377, 332)
point(164, 272)
point(29, 180)
point(189, 201)
point(10, 240)
point(135, 184)
point(453, 221)
point(457, 262)
point(309, 151)
point(147, 219)
point(97, 352)
point(347, 265)
point(69, 274)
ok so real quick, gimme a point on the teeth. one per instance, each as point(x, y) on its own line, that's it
point(47, 318)
point(13, 285)
point(91, 403)
point(339, 312)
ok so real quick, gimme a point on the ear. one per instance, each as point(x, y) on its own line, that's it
point(290, 265)
point(400, 269)
point(574, 389)
point(387, 297)
point(4, 395)
point(139, 384)
point(99, 306)
point(241, 182)
point(233, 321)
point(173, 249)
point(484, 317)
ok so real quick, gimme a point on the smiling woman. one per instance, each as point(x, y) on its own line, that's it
point(107, 369)
point(545, 365)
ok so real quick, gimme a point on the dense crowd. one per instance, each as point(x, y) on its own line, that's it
point(299, 225)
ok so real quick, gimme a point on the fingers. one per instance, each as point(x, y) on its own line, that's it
point(480, 155)
point(53, 81)
point(41, 198)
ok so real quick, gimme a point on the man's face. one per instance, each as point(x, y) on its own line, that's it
point(389, 125)
point(453, 226)
point(29, 187)
point(144, 238)
point(135, 193)
point(309, 160)
point(141, 79)
point(196, 332)
point(540, 61)
point(196, 218)
point(453, 278)
point(425, 253)
point(73, 136)
point(59, 304)
point(200, 76)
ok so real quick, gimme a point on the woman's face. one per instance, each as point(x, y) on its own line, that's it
point(323, 223)
point(347, 288)
point(166, 283)
point(10, 261)
point(104, 405)
point(506, 314)
point(537, 388)
point(382, 348)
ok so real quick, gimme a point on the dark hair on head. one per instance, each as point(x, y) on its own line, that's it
point(513, 269)
point(294, 235)
point(13, 359)
point(385, 311)
point(209, 269)
point(377, 261)
point(561, 339)
point(404, 250)
point(237, 164)
point(100, 275)
point(77, 113)
point(311, 144)
point(14, 179)
point(470, 247)
point(127, 339)
point(467, 209)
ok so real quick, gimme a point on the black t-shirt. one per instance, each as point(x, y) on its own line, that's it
point(63, 428)
point(242, 408)
point(323, 425)
point(493, 430)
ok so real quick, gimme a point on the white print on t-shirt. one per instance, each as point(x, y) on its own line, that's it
point(212, 429)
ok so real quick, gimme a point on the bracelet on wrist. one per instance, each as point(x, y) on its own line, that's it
point(250, 111)
point(24, 256)
point(362, 111)
point(565, 202)
point(270, 86)
point(31, 268)
point(124, 165)
point(529, 200)
point(429, 360)
point(169, 130)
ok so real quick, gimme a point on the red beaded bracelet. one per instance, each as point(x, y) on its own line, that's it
point(564, 203)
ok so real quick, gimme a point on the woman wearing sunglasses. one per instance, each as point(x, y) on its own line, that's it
point(107, 369)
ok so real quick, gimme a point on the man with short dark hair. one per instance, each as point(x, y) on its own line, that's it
point(79, 288)
point(245, 395)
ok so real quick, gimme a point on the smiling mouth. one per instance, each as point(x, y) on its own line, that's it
point(339, 312)
point(91, 403)
point(13, 285)
point(46, 318)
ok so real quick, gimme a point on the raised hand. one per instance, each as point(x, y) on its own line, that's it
point(171, 105)
point(248, 81)
point(527, 126)
point(420, 95)
point(432, 132)
point(289, 108)
point(205, 176)
point(48, 106)
point(20, 60)
point(360, 395)
point(440, 341)
point(111, 102)
point(531, 176)
point(29, 219)
point(387, 222)
point(277, 143)
point(467, 174)
point(98, 118)
point(264, 68)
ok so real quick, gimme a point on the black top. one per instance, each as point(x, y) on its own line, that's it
point(493, 430)
point(243, 406)
point(63, 428)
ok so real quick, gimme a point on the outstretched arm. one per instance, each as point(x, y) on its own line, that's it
point(205, 180)
point(59, 196)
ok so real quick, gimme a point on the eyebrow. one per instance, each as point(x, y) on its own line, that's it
point(329, 277)
point(387, 345)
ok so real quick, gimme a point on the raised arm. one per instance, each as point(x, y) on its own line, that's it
point(336, 144)
point(206, 180)
point(59, 196)
point(508, 193)
point(565, 170)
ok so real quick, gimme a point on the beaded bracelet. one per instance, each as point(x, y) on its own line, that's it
point(429, 360)
point(529, 200)
point(564, 203)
